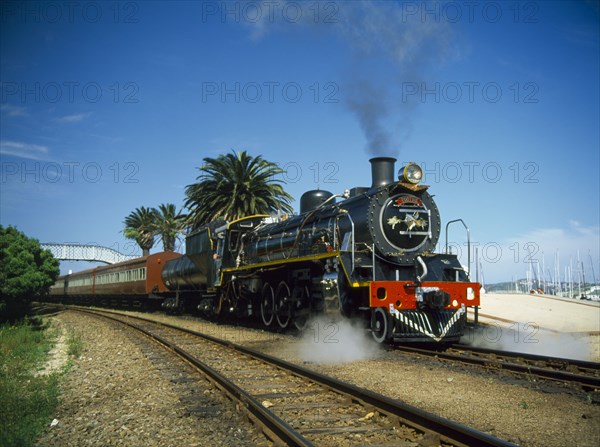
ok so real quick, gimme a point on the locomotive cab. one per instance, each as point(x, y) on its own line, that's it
point(231, 238)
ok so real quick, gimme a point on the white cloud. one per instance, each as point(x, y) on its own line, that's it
point(9, 110)
point(551, 249)
point(23, 150)
point(75, 118)
point(567, 240)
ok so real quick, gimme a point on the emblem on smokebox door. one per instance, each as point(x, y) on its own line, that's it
point(406, 221)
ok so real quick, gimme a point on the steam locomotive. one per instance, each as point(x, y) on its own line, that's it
point(367, 253)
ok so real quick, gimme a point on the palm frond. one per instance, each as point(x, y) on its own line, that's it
point(235, 185)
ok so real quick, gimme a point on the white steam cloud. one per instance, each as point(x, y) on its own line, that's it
point(336, 341)
point(529, 338)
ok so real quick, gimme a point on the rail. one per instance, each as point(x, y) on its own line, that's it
point(451, 431)
point(507, 361)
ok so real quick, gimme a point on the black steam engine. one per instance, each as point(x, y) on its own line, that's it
point(367, 253)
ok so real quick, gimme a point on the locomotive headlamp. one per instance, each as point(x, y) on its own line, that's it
point(411, 173)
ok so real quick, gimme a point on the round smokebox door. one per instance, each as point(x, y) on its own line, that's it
point(408, 225)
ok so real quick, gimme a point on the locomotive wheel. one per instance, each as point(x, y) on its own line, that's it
point(379, 325)
point(267, 304)
point(283, 308)
point(302, 311)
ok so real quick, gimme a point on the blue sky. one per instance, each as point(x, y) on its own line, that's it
point(108, 106)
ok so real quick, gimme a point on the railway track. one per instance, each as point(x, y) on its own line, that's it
point(299, 407)
point(585, 375)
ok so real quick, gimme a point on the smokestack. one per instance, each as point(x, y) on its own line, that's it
point(382, 171)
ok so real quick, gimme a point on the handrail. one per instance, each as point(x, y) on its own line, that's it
point(468, 243)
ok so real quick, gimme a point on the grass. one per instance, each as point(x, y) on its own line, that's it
point(74, 344)
point(27, 401)
point(524, 405)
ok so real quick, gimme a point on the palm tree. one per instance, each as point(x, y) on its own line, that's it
point(235, 185)
point(140, 226)
point(168, 223)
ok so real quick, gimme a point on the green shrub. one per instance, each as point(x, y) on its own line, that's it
point(26, 272)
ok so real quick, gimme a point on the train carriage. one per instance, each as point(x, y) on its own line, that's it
point(123, 283)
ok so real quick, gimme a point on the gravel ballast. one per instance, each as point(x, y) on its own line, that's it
point(114, 395)
point(121, 393)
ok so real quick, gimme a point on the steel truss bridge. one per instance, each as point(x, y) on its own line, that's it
point(93, 253)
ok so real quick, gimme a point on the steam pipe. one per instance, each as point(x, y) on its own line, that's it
point(424, 267)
